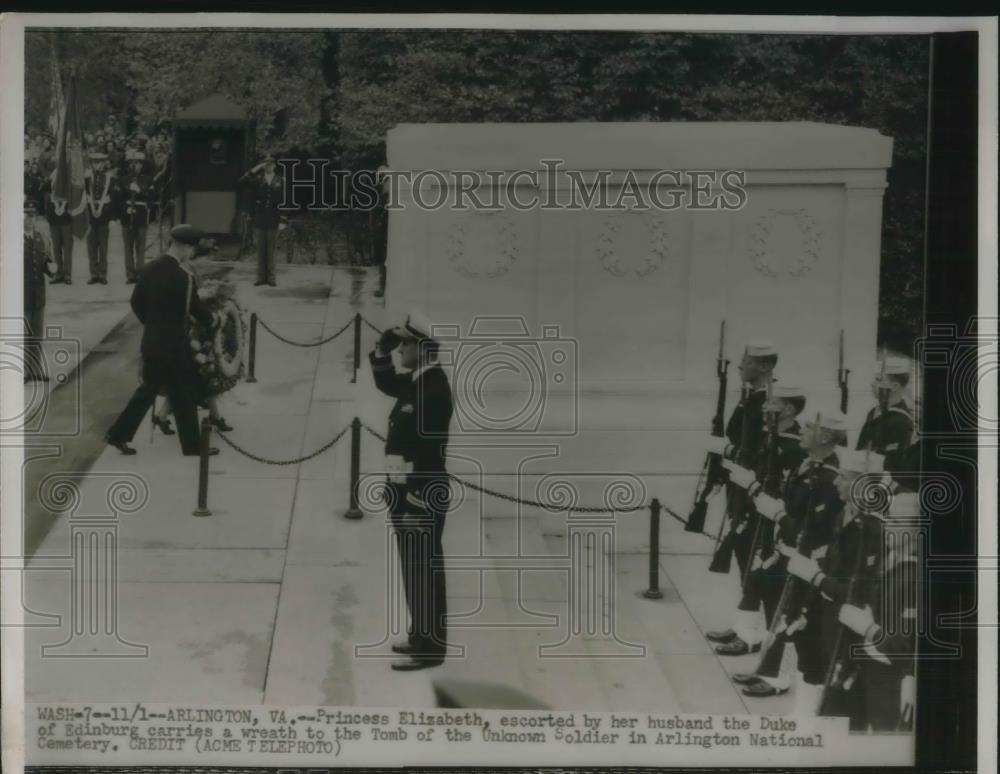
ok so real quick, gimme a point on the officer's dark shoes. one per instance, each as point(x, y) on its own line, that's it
point(94, 281)
point(746, 678)
point(68, 281)
point(736, 647)
point(121, 446)
point(414, 662)
point(763, 689)
point(378, 293)
point(273, 284)
point(258, 283)
point(404, 647)
point(130, 281)
point(728, 635)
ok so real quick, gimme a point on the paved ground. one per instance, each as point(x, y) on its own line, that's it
point(277, 598)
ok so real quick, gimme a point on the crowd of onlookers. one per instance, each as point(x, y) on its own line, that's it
point(156, 146)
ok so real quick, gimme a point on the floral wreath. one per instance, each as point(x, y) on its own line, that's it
point(218, 350)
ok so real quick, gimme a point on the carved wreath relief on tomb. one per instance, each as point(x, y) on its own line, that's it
point(617, 246)
point(784, 241)
point(485, 244)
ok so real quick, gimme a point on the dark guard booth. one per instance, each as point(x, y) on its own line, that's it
point(213, 146)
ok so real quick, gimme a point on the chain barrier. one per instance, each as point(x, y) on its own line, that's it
point(371, 325)
point(318, 343)
point(296, 461)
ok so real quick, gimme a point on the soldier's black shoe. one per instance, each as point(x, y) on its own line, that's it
point(273, 284)
point(94, 281)
point(104, 280)
point(404, 647)
point(130, 281)
point(414, 662)
point(212, 451)
point(736, 647)
point(727, 635)
point(121, 446)
point(258, 283)
point(746, 678)
point(763, 689)
point(68, 280)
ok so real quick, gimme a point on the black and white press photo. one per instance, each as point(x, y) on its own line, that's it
point(425, 391)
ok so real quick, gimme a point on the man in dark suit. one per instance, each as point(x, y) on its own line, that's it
point(37, 264)
point(102, 193)
point(60, 220)
point(163, 299)
point(418, 480)
point(268, 194)
point(135, 198)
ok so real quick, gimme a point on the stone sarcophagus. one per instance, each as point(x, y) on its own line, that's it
point(621, 305)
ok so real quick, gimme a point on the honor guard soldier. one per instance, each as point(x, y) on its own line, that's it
point(745, 434)
point(888, 427)
point(806, 521)
point(37, 264)
point(848, 572)
point(780, 455)
point(418, 481)
point(268, 192)
point(135, 199)
point(100, 183)
point(60, 221)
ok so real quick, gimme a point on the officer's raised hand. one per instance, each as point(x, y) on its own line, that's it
point(388, 341)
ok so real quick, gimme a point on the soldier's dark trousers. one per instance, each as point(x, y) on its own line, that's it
point(34, 333)
point(809, 647)
point(743, 543)
point(265, 238)
point(876, 697)
point(97, 250)
point(62, 247)
point(422, 560)
point(180, 386)
point(134, 238)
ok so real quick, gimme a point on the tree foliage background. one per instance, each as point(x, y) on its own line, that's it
point(337, 93)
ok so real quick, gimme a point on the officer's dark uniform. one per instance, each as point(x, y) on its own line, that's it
point(266, 197)
point(418, 432)
point(162, 297)
point(891, 437)
point(134, 211)
point(747, 455)
point(60, 221)
point(851, 567)
point(102, 195)
point(36, 268)
point(764, 584)
point(875, 670)
point(812, 511)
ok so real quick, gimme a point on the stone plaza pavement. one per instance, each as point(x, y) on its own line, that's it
point(277, 598)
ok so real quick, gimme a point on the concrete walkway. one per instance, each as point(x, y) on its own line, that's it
point(277, 598)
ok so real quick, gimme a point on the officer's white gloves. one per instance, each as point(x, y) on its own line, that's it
point(713, 445)
point(739, 475)
point(803, 567)
point(769, 507)
point(858, 620)
point(396, 468)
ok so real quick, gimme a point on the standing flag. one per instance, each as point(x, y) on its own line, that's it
point(67, 186)
point(57, 101)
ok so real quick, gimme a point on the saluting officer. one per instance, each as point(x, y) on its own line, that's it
point(766, 576)
point(418, 480)
point(101, 186)
point(268, 194)
point(136, 196)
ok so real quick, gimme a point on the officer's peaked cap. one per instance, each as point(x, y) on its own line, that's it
point(186, 234)
point(761, 348)
point(417, 326)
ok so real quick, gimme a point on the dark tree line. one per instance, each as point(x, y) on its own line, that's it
point(337, 93)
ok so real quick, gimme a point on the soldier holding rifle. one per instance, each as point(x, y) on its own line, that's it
point(888, 428)
point(782, 454)
point(806, 521)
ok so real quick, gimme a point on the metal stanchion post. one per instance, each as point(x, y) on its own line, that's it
point(252, 347)
point(353, 511)
point(357, 346)
point(653, 592)
point(206, 438)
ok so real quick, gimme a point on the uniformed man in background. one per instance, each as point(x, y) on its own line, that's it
point(101, 187)
point(418, 481)
point(268, 192)
point(135, 199)
point(60, 221)
point(888, 427)
point(37, 264)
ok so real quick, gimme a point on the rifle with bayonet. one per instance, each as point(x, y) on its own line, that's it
point(842, 374)
point(770, 476)
point(736, 499)
point(711, 471)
